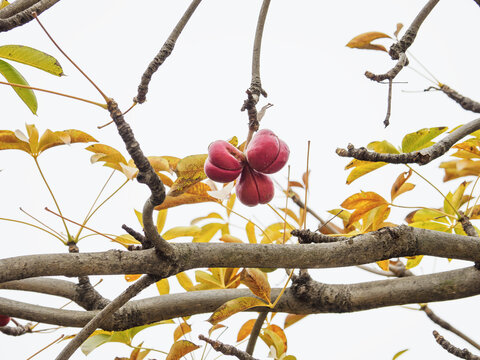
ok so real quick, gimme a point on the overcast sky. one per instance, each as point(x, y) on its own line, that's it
point(319, 93)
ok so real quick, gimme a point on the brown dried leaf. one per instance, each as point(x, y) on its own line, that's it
point(399, 27)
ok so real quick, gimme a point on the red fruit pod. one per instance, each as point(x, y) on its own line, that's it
point(254, 188)
point(224, 163)
point(266, 153)
point(4, 320)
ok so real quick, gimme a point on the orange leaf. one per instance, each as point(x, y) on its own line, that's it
point(362, 202)
point(363, 41)
point(245, 330)
point(181, 330)
point(295, 184)
point(292, 319)
point(189, 171)
point(383, 264)
point(279, 331)
point(234, 306)
point(66, 137)
point(257, 282)
point(132, 277)
point(399, 186)
point(181, 348)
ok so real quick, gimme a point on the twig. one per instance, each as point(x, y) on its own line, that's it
point(421, 157)
point(16, 330)
point(464, 354)
point(146, 176)
point(25, 16)
point(439, 321)
point(255, 332)
point(390, 75)
point(227, 349)
point(164, 52)
point(105, 313)
point(465, 102)
point(16, 7)
point(407, 39)
point(255, 90)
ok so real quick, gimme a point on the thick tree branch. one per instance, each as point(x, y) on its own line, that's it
point(305, 297)
point(464, 354)
point(164, 52)
point(104, 314)
point(421, 157)
point(227, 349)
point(24, 16)
point(386, 243)
point(16, 7)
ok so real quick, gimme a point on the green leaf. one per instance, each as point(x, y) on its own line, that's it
point(13, 76)
point(421, 139)
point(32, 57)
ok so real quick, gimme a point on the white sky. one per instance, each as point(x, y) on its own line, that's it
point(320, 94)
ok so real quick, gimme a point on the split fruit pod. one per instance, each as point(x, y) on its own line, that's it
point(266, 153)
point(254, 188)
point(224, 163)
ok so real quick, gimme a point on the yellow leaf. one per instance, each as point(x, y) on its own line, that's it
point(426, 215)
point(400, 186)
point(290, 213)
point(460, 168)
point(212, 215)
point(234, 306)
point(257, 281)
point(421, 139)
point(126, 240)
point(161, 218)
point(163, 287)
point(230, 203)
point(132, 277)
point(280, 333)
point(362, 203)
point(207, 281)
point(274, 232)
point(245, 329)
point(184, 281)
point(10, 141)
point(110, 156)
point(361, 168)
point(51, 139)
point(159, 163)
point(250, 228)
point(292, 319)
point(272, 338)
point(363, 41)
point(468, 149)
point(181, 348)
point(384, 264)
point(413, 261)
point(215, 327)
point(431, 225)
point(207, 232)
point(230, 239)
point(189, 171)
point(4, 3)
point(457, 197)
point(185, 198)
point(179, 231)
point(383, 147)
point(233, 141)
point(181, 330)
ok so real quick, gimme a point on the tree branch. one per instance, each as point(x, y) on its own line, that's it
point(307, 297)
point(146, 176)
point(387, 243)
point(407, 39)
point(164, 52)
point(255, 90)
point(16, 7)
point(255, 332)
point(421, 157)
point(104, 314)
point(465, 102)
point(24, 16)
point(464, 354)
point(227, 349)
point(439, 321)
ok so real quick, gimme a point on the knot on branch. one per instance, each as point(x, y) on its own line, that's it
point(16, 330)
point(72, 247)
point(87, 296)
point(308, 237)
point(323, 297)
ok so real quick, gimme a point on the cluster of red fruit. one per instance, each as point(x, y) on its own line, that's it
point(4, 320)
point(265, 154)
